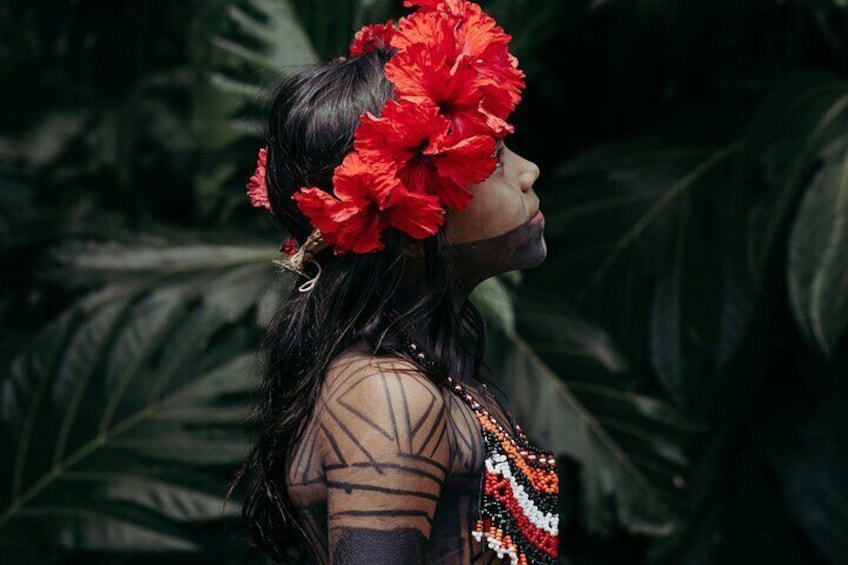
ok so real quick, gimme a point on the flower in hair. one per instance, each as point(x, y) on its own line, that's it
point(423, 75)
point(371, 37)
point(289, 247)
point(458, 58)
point(257, 189)
point(430, 5)
point(424, 27)
point(417, 141)
point(454, 85)
point(368, 199)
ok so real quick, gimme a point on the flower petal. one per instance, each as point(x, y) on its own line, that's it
point(398, 139)
point(321, 209)
point(467, 161)
point(362, 183)
point(360, 233)
point(371, 37)
point(418, 215)
point(257, 189)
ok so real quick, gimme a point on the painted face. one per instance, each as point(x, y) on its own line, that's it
point(502, 229)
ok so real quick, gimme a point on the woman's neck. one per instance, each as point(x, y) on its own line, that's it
point(417, 318)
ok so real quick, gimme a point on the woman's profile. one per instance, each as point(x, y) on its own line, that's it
point(378, 440)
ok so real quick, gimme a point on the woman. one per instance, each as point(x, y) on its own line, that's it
point(378, 440)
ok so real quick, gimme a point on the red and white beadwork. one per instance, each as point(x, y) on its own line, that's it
point(519, 497)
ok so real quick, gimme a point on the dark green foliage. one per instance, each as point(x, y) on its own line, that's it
point(683, 349)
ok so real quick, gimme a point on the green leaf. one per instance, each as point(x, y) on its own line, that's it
point(650, 228)
point(123, 411)
point(493, 300)
point(813, 111)
point(818, 252)
point(627, 443)
point(263, 39)
point(283, 41)
point(150, 259)
point(701, 301)
point(97, 526)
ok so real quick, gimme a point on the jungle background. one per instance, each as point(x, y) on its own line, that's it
point(683, 348)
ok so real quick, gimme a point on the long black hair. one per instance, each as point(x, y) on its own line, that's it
point(312, 117)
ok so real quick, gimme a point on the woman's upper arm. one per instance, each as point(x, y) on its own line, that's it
point(386, 457)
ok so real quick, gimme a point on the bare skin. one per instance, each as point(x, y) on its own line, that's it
point(400, 462)
point(388, 468)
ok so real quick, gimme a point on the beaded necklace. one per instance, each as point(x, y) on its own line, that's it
point(519, 489)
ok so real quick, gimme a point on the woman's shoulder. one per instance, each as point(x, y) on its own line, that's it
point(357, 372)
point(366, 397)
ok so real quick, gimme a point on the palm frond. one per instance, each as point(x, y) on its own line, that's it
point(124, 411)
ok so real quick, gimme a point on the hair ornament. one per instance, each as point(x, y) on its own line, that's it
point(296, 261)
point(289, 247)
point(455, 84)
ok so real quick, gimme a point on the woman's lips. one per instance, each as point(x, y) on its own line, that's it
point(539, 218)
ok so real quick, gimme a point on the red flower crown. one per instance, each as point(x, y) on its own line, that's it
point(455, 84)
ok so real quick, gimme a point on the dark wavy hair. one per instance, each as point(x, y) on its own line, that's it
point(310, 128)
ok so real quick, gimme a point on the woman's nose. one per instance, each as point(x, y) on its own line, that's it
point(529, 173)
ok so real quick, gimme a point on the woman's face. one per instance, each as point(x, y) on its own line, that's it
point(502, 229)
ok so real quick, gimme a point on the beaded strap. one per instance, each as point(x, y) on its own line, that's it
point(519, 486)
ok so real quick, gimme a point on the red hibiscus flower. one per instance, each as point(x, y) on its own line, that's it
point(424, 5)
point(368, 199)
point(416, 214)
point(417, 140)
point(431, 28)
point(500, 81)
point(459, 61)
point(424, 74)
point(400, 134)
point(483, 44)
point(446, 6)
point(257, 190)
point(372, 37)
point(469, 160)
point(478, 31)
point(455, 84)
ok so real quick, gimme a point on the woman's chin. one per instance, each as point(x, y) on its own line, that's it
point(521, 248)
point(543, 251)
point(533, 254)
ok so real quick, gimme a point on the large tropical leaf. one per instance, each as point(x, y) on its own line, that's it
point(237, 71)
point(124, 414)
point(631, 473)
point(818, 252)
point(649, 229)
point(789, 132)
point(675, 231)
point(630, 445)
point(496, 303)
point(268, 39)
